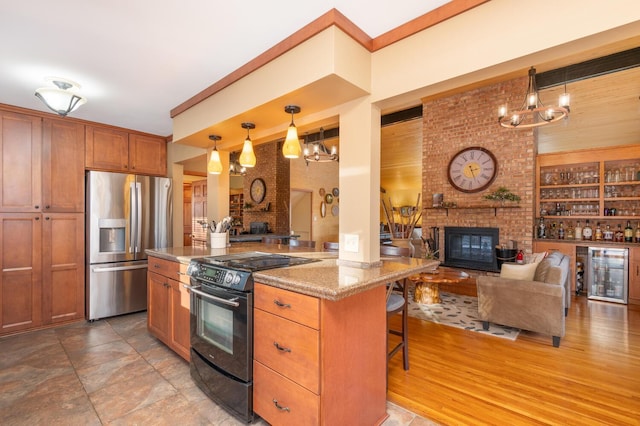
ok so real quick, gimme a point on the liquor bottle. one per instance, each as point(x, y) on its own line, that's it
point(570, 233)
point(638, 232)
point(561, 232)
point(542, 229)
point(628, 233)
point(618, 237)
point(607, 234)
point(587, 232)
point(598, 233)
point(578, 231)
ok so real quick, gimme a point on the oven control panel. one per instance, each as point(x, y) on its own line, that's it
point(220, 276)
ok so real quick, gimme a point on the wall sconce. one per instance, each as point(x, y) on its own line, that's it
point(291, 146)
point(247, 157)
point(214, 166)
point(60, 99)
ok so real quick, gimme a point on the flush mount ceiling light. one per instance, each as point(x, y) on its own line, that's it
point(291, 146)
point(533, 112)
point(214, 166)
point(247, 157)
point(320, 152)
point(60, 99)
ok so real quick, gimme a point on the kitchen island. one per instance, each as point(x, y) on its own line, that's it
point(331, 317)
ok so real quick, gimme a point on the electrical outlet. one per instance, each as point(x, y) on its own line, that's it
point(351, 242)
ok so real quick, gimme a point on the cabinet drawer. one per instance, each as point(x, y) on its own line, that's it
point(298, 356)
point(164, 267)
point(288, 304)
point(297, 405)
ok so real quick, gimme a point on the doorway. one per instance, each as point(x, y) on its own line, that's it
point(300, 216)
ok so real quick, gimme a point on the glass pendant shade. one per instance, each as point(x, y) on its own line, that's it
point(291, 147)
point(60, 99)
point(247, 157)
point(214, 166)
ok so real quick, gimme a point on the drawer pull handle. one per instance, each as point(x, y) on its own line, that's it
point(282, 305)
point(281, 348)
point(280, 407)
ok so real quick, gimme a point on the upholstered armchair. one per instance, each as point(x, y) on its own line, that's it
point(530, 297)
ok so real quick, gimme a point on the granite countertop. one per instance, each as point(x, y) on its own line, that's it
point(325, 279)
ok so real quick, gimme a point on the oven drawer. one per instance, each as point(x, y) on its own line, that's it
point(288, 304)
point(299, 353)
point(298, 406)
point(164, 267)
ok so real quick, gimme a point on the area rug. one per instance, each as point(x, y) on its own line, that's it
point(458, 311)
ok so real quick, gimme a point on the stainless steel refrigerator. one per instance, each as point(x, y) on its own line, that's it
point(126, 214)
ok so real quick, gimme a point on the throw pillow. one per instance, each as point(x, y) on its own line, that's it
point(537, 257)
point(518, 272)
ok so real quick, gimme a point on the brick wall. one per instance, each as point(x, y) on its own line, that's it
point(470, 119)
point(273, 168)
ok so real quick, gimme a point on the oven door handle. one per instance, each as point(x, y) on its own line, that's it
point(231, 302)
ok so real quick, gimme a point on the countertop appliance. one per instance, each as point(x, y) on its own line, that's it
point(126, 214)
point(608, 274)
point(222, 325)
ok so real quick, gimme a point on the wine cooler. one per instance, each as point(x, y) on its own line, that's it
point(608, 274)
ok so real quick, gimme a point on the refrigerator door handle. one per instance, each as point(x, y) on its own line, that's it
point(132, 217)
point(118, 268)
point(138, 217)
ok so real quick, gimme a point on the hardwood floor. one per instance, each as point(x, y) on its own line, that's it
point(460, 377)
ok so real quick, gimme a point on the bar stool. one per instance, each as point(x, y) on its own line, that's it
point(294, 242)
point(330, 246)
point(397, 297)
point(271, 240)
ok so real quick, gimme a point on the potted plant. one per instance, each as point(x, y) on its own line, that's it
point(502, 195)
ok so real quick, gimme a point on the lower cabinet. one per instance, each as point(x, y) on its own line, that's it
point(318, 362)
point(168, 312)
point(42, 264)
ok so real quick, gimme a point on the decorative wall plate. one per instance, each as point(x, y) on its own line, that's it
point(328, 198)
point(335, 210)
point(321, 192)
point(335, 192)
point(323, 209)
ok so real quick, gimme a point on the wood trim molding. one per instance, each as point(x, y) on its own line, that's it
point(436, 16)
point(332, 17)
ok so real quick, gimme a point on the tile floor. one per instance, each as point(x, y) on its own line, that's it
point(109, 372)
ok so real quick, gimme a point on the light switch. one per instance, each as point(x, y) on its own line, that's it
point(351, 242)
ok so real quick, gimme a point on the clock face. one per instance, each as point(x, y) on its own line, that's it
point(258, 190)
point(472, 169)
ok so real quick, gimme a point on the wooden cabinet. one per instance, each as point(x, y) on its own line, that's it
point(634, 276)
point(120, 151)
point(236, 202)
point(62, 166)
point(168, 313)
point(42, 183)
point(62, 267)
point(318, 362)
point(21, 159)
point(21, 266)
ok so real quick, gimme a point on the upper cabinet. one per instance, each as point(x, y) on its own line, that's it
point(21, 158)
point(62, 166)
point(120, 151)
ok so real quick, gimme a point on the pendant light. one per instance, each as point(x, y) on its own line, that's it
point(291, 146)
point(214, 166)
point(247, 157)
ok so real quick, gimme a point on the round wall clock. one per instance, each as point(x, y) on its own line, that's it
point(472, 169)
point(258, 190)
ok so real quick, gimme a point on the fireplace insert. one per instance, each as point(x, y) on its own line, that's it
point(472, 248)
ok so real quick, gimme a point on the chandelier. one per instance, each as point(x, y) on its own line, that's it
point(320, 153)
point(60, 99)
point(533, 112)
point(235, 169)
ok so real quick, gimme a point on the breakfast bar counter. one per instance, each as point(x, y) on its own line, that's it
point(325, 279)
